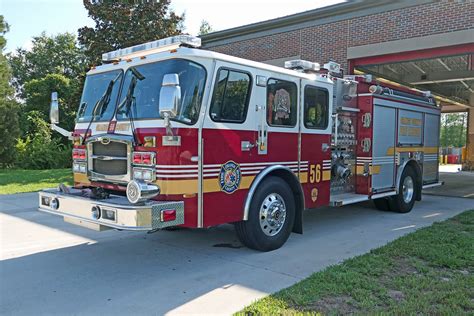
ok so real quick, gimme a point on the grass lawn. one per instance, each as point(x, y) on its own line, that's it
point(18, 181)
point(430, 271)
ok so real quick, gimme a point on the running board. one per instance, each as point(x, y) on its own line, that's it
point(433, 185)
point(351, 198)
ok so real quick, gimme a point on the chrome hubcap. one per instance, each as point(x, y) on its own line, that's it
point(408, 189)
point(272, 214)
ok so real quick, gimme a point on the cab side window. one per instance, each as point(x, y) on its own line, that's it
point(231, 96)
point(282, 102)
point(316, 107)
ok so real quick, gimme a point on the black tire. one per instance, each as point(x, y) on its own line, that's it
point(382, 204)
point(397, 202)
point(251, 233)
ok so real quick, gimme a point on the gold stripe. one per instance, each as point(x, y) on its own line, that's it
point(191, 186)
point(372, 170)
point(81, 178)
point(212, 184)
point(426, 150)
point(326, 175)
point(303, 177)
point(178, 186)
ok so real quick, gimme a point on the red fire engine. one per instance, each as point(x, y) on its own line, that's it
point(169, 134)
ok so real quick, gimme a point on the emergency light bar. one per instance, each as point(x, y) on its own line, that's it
point(302, 65)
point(152, 47)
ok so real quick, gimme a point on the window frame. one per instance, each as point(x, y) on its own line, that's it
point(266, 103)
point(122, 72)
point(304, 109)
point(160, 118)
point(247, 99)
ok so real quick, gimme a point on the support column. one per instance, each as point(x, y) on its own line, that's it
point(469, 162)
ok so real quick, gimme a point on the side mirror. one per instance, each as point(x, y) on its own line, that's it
point(170, 96)
point(54, 109)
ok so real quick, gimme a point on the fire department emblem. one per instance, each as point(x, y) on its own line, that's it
point(229, 177)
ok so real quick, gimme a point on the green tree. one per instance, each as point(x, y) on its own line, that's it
point(9, 126)
point(121, 24)
point(453, 129)
point(57, 54)
point(54, 63)
point(205, 28)
point(38, 97)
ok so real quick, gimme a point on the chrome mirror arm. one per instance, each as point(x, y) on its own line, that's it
point(61, 131)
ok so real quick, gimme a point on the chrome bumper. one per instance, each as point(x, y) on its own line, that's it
point(115, 211)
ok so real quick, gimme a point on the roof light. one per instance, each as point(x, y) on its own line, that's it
point(332, 67)
point(376, 89)
point(302, 65)
point(152, 47)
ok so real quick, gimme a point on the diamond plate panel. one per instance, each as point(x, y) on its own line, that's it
point(156, 214)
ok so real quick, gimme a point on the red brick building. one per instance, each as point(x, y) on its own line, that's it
point(421, 43)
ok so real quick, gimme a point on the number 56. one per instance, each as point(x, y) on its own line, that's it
point(315, 173)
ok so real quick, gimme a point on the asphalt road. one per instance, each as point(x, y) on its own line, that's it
point(49, 267)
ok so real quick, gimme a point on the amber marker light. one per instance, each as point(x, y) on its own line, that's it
point(149, 141)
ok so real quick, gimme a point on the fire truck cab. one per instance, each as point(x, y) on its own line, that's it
point(169, 134)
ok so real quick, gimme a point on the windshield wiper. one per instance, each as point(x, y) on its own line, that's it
point(103, 102)
point(129, 101)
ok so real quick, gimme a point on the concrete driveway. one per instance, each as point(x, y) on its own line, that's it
point(457, 183)
point(54, 268)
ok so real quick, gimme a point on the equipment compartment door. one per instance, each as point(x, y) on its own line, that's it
point(383, 149)
point(431, 143)
point(315, 160)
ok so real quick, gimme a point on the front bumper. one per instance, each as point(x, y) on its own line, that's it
point(115, 211)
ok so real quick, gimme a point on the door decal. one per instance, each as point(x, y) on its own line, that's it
point(229, 177)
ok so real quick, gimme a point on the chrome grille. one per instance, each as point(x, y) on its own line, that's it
point(110, 167)
point(109, 158)
point(111, 149)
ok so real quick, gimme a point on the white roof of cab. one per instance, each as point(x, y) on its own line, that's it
point(184, 52)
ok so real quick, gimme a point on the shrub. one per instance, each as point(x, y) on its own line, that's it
point(9, 131)
point(39, 150)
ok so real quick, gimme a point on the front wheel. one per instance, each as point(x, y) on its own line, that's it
point(271, 216)
point(405, 199)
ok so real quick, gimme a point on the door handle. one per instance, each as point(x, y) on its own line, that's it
point(245, 145)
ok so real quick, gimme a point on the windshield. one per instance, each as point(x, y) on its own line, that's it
point(100, 92)
point(146, 93)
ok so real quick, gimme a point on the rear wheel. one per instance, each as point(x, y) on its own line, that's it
point(405, 199)
point(271, 216)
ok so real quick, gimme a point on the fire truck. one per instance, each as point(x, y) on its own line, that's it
point(169, 134)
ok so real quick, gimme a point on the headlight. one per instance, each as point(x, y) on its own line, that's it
point(143, 174)
point(137, 174)
point(79, 167)
point(75, 167)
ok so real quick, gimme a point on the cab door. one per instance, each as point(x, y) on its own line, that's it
point(316, 126)
point(229, 139)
